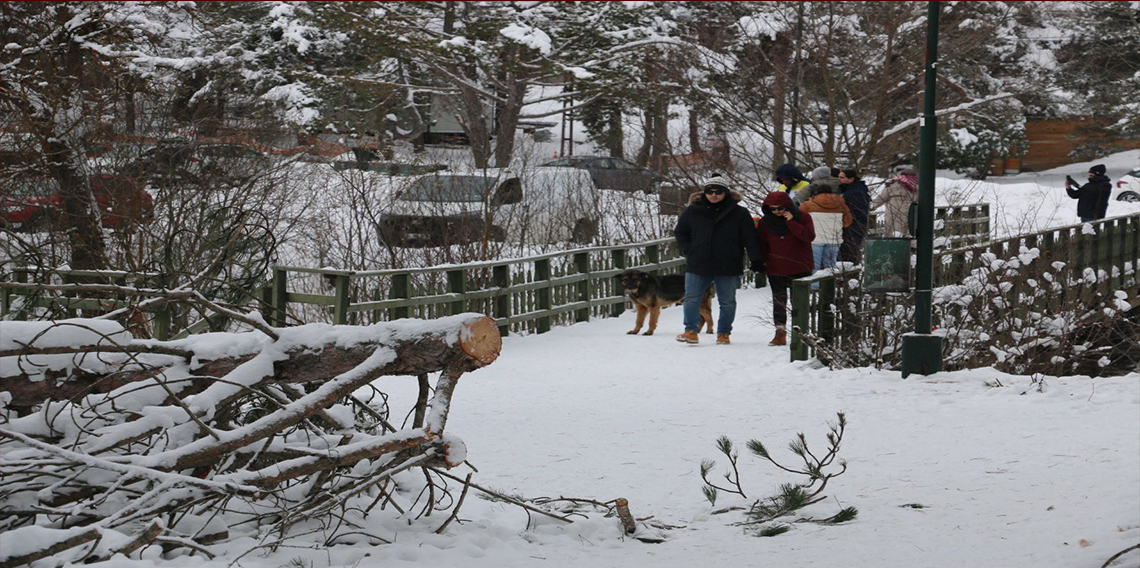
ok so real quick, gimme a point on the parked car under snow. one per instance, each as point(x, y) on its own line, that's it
point(542, 205)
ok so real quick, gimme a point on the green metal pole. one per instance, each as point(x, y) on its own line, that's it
point(922, 352)
point(926, 165)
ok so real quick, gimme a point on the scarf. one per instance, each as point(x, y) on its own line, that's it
point(776, 224)
point(909, 182)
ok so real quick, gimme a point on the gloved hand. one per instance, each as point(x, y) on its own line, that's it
point(761, 277)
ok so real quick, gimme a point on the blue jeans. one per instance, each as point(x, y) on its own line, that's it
point(1088, 219)
point(695, 287)
point(824, 255)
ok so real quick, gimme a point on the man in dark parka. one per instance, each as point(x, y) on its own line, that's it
point(714, 233)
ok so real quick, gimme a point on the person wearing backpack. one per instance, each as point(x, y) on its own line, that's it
point(830, 215)
point(858, 199)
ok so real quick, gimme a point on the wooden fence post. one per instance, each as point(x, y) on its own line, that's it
point(501, 275)
point(457, 284)
point(619, 263)
point(800, 301)
point(164, 315)
point(653, 256)
point(341, 299)
point(1110, 252)
point(162, 324)
point(582, 264)
point(1096, 254)
point(280, 296)
point(264, 297)
point(826, 310)
point(401, 289)
point(542, 274)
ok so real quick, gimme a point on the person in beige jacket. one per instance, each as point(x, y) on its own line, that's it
point(830, 214)
point(899, 193)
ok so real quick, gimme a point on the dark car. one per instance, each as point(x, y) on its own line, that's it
point(206, 164)
point(613, 173)
point(32, 204)
point(539, 205)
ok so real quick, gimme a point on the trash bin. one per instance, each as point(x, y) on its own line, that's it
point(886, 264)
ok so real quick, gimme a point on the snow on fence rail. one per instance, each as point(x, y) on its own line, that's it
point(1079, 262)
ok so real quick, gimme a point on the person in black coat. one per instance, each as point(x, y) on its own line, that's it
point(858, 200)
point(1092, 197)
point(713, 233)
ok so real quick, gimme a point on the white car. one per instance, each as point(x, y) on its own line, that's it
point(539, 205)
point(1127, 188)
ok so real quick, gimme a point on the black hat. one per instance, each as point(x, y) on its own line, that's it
point(1098, 169)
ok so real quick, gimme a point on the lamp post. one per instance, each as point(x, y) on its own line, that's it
point(921, 350)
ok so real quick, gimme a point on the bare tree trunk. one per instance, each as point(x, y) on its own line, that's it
point(779, 104)
point(656, 135)
point(875, 133)
point(475, 125)
point(694, 129)
point(661, 145)
point(616, 133)
point(514, 84)
point(79, 219)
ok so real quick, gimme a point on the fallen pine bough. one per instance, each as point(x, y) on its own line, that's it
point(109, 444)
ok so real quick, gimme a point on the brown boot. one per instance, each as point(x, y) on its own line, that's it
point(722, 339)
point(689, 337)
point(781, 337)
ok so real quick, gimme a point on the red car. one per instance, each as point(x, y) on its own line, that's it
point(34, 204)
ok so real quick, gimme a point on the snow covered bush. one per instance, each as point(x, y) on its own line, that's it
point(1029, 313)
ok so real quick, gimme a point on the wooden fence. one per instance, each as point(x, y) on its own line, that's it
point(954, 226)
point(526, 295)
point(1110, 247)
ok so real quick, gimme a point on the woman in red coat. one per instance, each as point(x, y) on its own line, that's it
point(785, 235)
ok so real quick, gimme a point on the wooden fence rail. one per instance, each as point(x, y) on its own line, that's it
point(1105, 252)
point(525, 295)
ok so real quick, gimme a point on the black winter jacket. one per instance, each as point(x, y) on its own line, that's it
point(859, 202)
point(1092, 197)
point(713, 240)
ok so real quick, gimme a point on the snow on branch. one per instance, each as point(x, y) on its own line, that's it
point(951, 110)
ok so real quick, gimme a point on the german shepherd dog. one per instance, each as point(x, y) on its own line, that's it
point(650, 293)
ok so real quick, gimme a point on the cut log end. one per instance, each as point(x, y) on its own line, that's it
point(628, 524)
point(480, 340)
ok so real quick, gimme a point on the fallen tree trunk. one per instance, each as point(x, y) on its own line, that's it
point(476, 344)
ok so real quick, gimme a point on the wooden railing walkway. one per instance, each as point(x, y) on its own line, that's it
point(1111, 247)
point(525, 295)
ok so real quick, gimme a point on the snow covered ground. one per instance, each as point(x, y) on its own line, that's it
point(1008, 476)
point(1011, 475)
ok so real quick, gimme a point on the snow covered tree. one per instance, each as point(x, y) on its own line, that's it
point(65, 69)
point(1099, 63)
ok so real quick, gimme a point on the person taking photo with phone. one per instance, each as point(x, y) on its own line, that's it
point(1092, 197)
